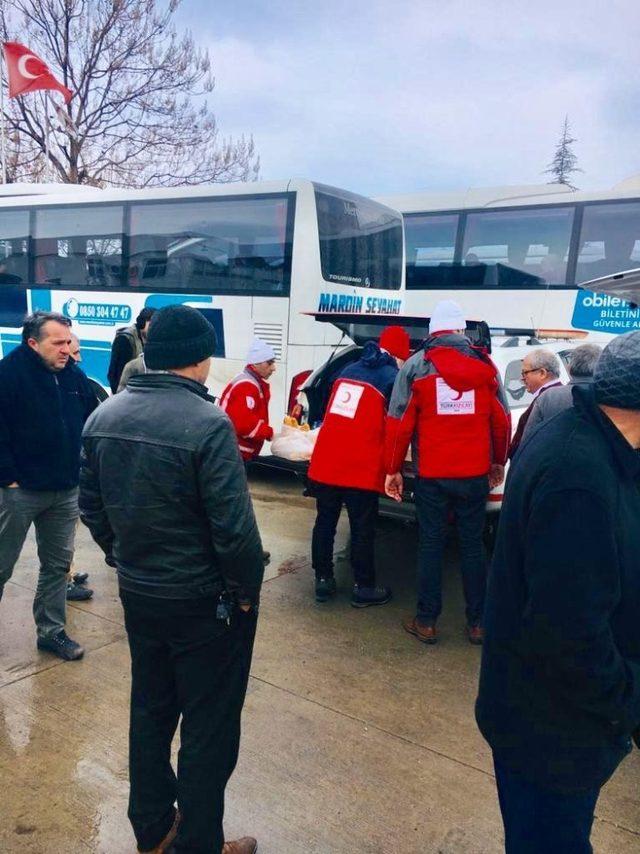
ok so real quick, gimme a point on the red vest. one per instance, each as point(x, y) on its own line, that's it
point(246, 402)
point(350, 445)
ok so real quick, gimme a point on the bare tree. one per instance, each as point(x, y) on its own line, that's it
point(138, 117)
point(564, 163)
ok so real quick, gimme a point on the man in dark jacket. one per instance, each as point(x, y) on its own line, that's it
point(581, 367)
point(164, 493)
point(540, 374)
point(560, 680)
point(347, 465)
point(445, 402)
point(45, 400)
point(127, 345)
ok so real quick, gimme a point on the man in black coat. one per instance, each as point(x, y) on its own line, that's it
point(164, 493)
point(45, 400)
point(559, 696)
point(128, 344)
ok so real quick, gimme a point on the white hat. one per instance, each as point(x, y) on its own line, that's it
point(259, 351)
point(447, 315)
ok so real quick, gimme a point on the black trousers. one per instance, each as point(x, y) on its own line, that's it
point(362, 509)
point(467, 497)
point(184, 662)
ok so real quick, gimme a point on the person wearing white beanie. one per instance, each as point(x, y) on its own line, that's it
point(246, 402)
point(447, 317)
point(260, 351)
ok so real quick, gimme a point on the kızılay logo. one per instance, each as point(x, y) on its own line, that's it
point(102, 314)
point(604, 313)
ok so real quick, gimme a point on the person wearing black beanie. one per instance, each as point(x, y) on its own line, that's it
point(178, 336)
point(559, 696)
point(181, 531)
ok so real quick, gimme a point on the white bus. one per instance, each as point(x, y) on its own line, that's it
point(514, 255)
point(257, 259)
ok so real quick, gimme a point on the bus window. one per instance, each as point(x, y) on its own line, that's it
point(516, 248)
point(609, 240)
point(430, 242)
point(360, 240)
point(14, 243)
point(223, 245)
point(79, 246)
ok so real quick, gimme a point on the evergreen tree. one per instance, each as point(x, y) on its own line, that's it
point(564, 162)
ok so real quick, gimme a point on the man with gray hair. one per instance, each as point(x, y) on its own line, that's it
point(582, 364)
point(540, 372)
point(559, 696)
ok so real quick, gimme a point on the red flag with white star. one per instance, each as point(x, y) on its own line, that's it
point(26, 72)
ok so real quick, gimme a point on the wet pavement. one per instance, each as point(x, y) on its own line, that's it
point(356, 738)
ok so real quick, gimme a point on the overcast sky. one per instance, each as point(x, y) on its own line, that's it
point(383, 97)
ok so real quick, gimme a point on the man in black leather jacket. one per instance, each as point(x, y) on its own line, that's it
point(164, 493)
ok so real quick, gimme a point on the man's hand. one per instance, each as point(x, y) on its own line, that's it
point(496, 475)
point(13, 485)
point(393, 485)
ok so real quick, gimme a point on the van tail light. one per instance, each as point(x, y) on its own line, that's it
point(294, 409)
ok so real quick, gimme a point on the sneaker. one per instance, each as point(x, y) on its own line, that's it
point(425, 632)
point(246, 845)
point(80, 577)
point(62, 646)
point(475, 635)
point(325, 588)
point(363, 597)
point(77, 593)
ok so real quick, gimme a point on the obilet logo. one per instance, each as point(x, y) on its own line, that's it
point(604, 313)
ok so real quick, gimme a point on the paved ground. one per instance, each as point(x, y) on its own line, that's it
point(356, 738)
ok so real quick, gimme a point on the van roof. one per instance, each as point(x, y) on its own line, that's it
point(625, 285)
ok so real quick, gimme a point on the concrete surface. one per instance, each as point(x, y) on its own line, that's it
point(356, 738)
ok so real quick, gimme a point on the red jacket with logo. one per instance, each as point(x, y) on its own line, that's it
point(350, 444)
point(445, 400)
point(246, 402)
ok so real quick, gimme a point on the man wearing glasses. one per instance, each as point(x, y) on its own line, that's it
point(540, 371)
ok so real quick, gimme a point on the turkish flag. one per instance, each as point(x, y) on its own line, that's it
point(27, 72)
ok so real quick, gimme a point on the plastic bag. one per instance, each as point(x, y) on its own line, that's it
point(294, 443)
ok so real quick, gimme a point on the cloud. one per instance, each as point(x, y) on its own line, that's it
point(381, 97)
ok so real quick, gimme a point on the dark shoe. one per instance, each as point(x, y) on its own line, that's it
point(424, 633)
point(475, 635)
point(362, 597)
point(246, 845)
point(325, 589)
point(80, 577)
point(77, 593)
point(166, 846)
point(266, 557)
point(62, 646)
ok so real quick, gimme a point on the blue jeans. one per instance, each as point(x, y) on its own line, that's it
point(542, 821)
point(467, 498)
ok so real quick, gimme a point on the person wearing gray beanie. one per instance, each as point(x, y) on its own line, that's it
point(616, 380)
point(559, 696)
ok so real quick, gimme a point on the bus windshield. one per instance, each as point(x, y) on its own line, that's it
point(360, 240)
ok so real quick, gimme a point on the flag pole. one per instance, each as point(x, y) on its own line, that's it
point(3, 150)
point(47, 173)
